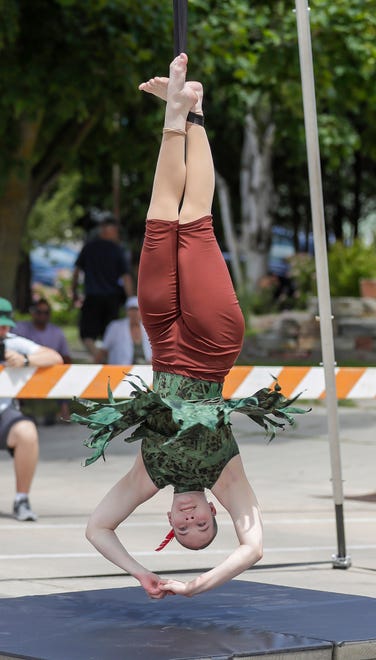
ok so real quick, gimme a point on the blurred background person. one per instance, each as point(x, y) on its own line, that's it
point(18, 433)
point(40, 330)
point(125, 341)
point(103, 263)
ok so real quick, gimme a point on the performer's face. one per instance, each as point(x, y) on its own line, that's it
point(192, 518)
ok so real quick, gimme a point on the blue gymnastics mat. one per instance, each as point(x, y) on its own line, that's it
point(238, 620)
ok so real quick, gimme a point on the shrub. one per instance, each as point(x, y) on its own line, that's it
point(348, 265)
point(303, 274)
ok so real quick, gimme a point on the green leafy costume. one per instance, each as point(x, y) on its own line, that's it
point(184, 425)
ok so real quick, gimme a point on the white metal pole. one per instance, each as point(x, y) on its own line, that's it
point(341, 560)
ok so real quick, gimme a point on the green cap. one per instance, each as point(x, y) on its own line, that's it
point(6, 310)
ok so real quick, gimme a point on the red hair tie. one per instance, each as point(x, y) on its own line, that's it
point(166, 540)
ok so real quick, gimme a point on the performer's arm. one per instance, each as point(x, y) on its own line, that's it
point(131, 491)
point(235, 493)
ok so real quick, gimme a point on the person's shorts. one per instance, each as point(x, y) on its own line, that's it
point(96, 313)
point(9, 417)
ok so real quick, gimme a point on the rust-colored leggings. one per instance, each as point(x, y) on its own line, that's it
point(187, 301)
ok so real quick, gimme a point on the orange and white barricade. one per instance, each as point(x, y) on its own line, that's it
point(90, 381)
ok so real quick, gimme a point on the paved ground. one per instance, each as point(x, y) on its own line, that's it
point(291, 476)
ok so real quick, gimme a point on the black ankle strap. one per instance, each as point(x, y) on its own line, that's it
point(193, 118)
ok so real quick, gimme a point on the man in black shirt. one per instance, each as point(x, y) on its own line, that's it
point(103, 262)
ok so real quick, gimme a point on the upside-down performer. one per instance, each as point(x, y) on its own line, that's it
point(195, 325)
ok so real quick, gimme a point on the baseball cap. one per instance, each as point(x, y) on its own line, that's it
point(6, 310)
point(131, 303)
point(107, 218)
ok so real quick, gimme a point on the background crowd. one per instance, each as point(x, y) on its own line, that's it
point(110, 329)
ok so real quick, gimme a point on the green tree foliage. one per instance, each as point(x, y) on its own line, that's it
point(247, 56)
point(54, 216)
point(303, 273)
point(254, 60)
point(349, 265)
point(68, 67)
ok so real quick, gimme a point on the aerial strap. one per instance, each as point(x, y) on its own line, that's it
point(180, 26)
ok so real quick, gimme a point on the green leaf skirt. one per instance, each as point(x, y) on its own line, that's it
point(176, 407)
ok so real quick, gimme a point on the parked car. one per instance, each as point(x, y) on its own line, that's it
point(282, 247)
point(50, 261)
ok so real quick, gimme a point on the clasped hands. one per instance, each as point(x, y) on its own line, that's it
point(157, 588)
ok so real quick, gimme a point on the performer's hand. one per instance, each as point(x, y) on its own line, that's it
point(153, 585)
point(175, 587)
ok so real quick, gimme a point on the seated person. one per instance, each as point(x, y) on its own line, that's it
point(40, 330)
point(125, 341)
point(18, 433)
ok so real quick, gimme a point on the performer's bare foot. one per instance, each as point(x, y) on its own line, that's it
point(158, 87)
point(197, 108)
point(180, 96)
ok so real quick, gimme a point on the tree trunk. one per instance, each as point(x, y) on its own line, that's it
point(228, 229)
point(23, 293)
point(256, 191)
point(357, 205)
point(14, 204)
point(338, 217)
point(25, 183)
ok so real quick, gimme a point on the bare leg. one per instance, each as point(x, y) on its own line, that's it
point(208, 302)
point(23, 438)
point(157, 279)
point(64, 411)
point(199, 188)
point(200, 178)
point(169, 179)
point(212, 321)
